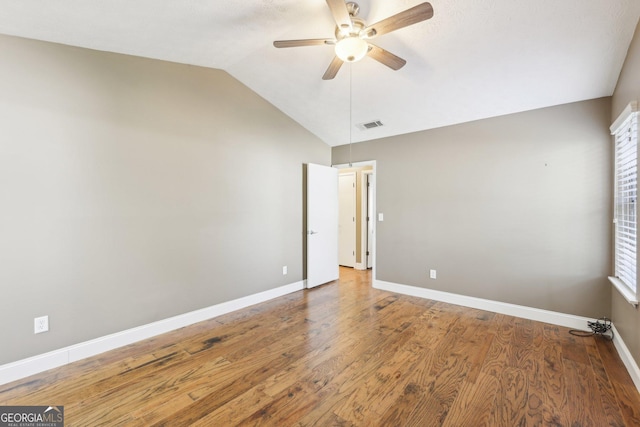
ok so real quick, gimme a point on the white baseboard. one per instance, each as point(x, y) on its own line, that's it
point(359, 266)
point(553, 317)
point(546, 316)
point(53, 359)
point(627, 358)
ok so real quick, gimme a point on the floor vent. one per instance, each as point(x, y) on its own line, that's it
point(370, 125)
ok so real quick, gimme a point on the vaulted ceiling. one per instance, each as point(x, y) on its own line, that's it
point(472, 60)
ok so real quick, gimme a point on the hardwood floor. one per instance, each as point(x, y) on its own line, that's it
point(345, 354)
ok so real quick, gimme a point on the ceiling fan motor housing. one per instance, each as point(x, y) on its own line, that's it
point(357, 25)
point(353, 9)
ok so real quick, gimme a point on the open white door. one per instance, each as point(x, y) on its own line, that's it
point(322, 225)
point(347, 219)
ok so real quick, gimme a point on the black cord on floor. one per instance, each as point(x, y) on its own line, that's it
point(601, 327)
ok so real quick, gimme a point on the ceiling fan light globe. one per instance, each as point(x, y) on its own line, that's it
point(351, 49)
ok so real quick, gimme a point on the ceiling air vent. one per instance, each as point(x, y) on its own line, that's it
point(370, 125)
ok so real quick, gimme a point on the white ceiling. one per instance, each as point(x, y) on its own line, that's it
point(474, 59)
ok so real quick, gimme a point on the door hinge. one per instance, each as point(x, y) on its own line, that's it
point(368, 253)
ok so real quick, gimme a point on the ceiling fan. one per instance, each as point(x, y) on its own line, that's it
point(352, 35)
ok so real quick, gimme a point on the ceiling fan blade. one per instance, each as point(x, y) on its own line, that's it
point(385, 57)
point(304, 42)
point(411, 16)
point(333, 68)
point(340, 14)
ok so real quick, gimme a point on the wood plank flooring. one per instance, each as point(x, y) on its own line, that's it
point(345, 354)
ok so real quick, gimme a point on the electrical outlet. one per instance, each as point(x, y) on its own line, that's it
point(284, 270)
point(40, 324)
point(432, 274)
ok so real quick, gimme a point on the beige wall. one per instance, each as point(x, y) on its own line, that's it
point(132, 190)
point(513, 208)
point(625, 316)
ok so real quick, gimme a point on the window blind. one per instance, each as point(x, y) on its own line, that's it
point(625, 211)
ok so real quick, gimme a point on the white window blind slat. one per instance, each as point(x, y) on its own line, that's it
point(625, 215)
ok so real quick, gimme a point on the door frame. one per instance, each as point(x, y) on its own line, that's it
point(364, 230)
point(373, 173)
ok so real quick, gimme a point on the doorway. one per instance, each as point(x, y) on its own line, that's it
point(322, 208)
point(364, 238)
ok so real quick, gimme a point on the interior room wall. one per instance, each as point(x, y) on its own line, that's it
point(133, 190)
point(513, 208)
point(625, 316)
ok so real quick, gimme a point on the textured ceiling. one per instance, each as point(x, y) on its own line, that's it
point(472, 60)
